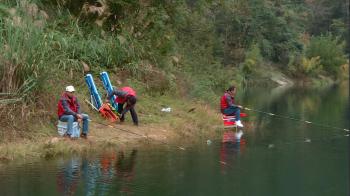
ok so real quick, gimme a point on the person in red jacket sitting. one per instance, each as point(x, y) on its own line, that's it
point(69, 111)
point(228, 107)
point(125, 95)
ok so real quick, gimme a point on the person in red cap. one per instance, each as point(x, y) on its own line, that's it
point(126, 95)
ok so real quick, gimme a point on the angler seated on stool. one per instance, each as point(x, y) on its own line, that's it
point(69, 111)
point(228, 107)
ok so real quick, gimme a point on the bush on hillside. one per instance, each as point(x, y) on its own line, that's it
point(310, 66)
point(330, 51)
point(253, 59)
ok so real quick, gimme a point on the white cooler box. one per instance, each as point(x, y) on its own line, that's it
point(62, 129)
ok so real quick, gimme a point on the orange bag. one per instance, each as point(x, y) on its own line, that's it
point(107, 112)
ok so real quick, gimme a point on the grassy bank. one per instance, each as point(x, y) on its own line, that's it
point(188, 122)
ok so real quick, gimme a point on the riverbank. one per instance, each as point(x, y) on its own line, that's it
point(187, 122)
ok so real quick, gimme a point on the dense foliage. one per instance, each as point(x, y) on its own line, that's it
point(197, 46)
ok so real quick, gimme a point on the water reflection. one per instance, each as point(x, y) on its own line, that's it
point(125, 170)
point(90, 174)
point(68, 177)
point(232, 146)
point(111, 172)
point(97, 174)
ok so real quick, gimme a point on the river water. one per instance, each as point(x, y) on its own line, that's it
point(274, 156)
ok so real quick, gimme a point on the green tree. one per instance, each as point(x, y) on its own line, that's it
point(330, 50)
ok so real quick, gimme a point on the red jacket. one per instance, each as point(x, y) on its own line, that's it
point(72, 104)
point(223, 101)
point(129, 92)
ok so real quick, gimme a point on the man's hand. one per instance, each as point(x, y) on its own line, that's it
point(79, 116)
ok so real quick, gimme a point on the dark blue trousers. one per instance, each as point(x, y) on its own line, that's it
point(233, 111)
point(132, 112)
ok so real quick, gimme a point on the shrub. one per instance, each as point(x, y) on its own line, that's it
point(330, 51)
point(310, 66)
point(253, 59)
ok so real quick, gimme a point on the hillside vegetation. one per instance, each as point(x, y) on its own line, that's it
point(180, 48)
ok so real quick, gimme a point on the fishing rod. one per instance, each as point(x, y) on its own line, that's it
point(92, 105)
point(296, 119)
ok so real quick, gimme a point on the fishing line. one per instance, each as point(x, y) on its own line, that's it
point(308, 140)
point(141, 135)
point(280, 145)
point(296, 119)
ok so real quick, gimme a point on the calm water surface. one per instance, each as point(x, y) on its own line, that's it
point(275, 156)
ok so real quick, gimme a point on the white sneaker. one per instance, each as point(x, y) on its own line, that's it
point(239, 123)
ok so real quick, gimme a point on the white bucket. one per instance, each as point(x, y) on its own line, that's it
point(62, 129)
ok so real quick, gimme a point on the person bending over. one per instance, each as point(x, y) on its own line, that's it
point(126, 96)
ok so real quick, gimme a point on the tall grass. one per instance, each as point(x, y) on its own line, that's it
point(32, 54)
point(22, 56)
point(40, 52)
